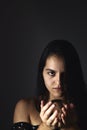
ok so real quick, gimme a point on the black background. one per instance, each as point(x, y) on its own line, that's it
point(25, 29)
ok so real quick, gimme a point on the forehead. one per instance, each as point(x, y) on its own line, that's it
point(55, 62)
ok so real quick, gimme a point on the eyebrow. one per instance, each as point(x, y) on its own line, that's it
point(49, 69)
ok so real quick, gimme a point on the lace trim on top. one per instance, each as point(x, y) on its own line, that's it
point(24, 126)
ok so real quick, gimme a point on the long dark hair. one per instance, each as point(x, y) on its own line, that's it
point(75, 81)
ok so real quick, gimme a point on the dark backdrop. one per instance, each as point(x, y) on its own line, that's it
point(26, 27)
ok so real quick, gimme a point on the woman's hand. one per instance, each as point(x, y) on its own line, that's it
point(49, 115)
point(68, 115)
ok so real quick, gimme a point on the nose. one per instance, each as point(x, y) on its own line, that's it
point(58, 78)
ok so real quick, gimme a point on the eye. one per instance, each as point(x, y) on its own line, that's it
point(51, 73)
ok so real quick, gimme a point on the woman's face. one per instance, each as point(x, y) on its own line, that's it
point(53, 75)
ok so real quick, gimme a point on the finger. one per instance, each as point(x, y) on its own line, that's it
point(72, 105)
point(45, 107)
point(66, 106)
point(52, 118)
point(49, 111)
point(54, 122)
point(42, 103)
point(62, 117)
point(64, 111)
point(59, 124)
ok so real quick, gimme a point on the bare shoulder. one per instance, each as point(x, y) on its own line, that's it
point(22, 110)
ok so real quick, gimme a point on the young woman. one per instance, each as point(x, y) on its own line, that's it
point(61, 93)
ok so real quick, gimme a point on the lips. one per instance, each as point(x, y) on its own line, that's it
point(58, 87)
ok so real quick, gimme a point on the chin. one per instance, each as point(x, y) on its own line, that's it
point(58, 96)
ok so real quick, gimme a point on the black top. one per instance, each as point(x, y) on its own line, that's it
point(25, 126)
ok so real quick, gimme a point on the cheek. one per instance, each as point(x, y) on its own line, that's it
point(47, 81)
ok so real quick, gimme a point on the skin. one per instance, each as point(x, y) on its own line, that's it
point(48, 118)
